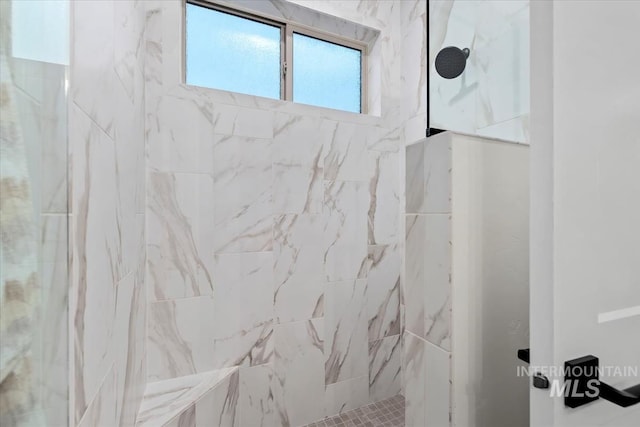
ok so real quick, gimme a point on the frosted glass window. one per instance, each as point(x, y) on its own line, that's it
point(326, 74)
point(229, 52)
point(244, 52)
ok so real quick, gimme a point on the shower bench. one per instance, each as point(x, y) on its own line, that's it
point(205, 399)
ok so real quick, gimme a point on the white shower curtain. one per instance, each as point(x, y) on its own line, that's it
point(19, 288)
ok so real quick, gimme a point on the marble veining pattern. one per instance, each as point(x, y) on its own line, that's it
point(383, 291)
point(268, 228)
point(176, 346)
point(242, 328)
point(345, 232)
point(242, 194)
point(267, 219)
point(345, 317)
point(299, 374)
point(427, 285)
point(169, 399)
point(256, 404)
point(385, 367)
point(298, 267)
point(108, 294)
point(180, 235)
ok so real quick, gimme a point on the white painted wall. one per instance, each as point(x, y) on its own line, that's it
point(585, 177)
point(490, 272)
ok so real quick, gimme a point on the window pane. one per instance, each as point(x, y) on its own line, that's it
point(228, 52)
point(326, 74)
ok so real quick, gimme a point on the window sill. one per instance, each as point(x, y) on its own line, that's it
point(218, 96)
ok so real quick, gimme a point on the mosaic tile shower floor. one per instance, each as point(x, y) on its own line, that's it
point(386, 413)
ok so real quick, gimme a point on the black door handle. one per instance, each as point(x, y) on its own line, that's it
point(588, 378)
point(585, 372)
point(627, 397)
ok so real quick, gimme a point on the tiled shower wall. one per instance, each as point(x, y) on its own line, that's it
point(274, 233)
point(427, 335)
point(107, 213)
point(466, 281)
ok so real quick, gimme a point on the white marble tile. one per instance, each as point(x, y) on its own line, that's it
point(385, 368)
point(414, 367)
point(298, 162)
point(106, 146)
point(437, 394)
point(415, 128)
point(345, 323)
point(185, 419)
point(222, 408)
point(428, 278)
point(256, 405)
point(346, 395)
point(273, 157)
point(383, 291)
point(243, 194)
point(298, 267)
point(180, 337)
point(384, 198)
point(128, 45)
point(243, 336)
point(298, 189)
point(346, 154)
point(414, 178)
point(345, 233)
point(182, 134)
point(415, 271)
point(244, 122)
point(437, 285)
point(299, 387)
point(437, 174)
point(164, 400)
point(180, 234)
point(243, 280)
point(384, 139)
point(129, 144)
point(130, 354)
point(96, 240)
point(130, 335)
point(102, 410)
point(93, 82)
point(413, 57)
point(248, 347)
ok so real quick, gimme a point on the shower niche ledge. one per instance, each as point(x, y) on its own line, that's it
point(208, 398)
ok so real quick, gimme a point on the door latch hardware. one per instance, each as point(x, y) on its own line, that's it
point(540, 381)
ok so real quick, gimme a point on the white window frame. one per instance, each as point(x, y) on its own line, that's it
point(287, 29)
